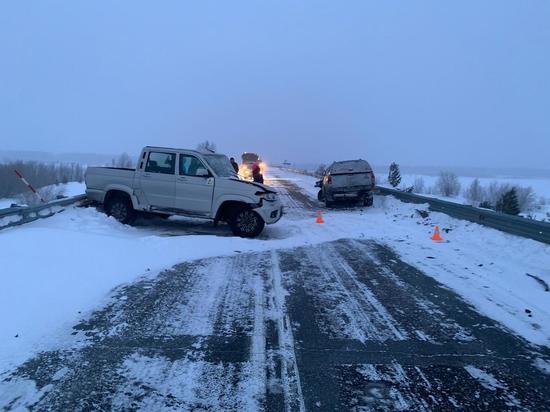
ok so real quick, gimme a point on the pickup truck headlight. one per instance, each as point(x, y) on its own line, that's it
point(267, 196)
point(270, 197)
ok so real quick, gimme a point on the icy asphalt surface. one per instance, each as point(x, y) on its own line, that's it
point(343, 325)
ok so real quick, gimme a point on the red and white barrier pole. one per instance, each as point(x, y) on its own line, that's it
point(32, 189)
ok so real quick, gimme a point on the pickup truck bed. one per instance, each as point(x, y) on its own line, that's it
point(99, 177)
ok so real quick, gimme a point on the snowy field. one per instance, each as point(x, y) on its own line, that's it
point(58, 269)
point(541, 189)
point(66, 189)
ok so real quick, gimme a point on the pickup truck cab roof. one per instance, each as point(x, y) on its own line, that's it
point(173, 149)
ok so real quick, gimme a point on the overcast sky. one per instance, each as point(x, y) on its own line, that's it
point(417, 82)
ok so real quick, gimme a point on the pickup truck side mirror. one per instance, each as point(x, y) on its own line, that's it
point(202, 172)
point(318, 183)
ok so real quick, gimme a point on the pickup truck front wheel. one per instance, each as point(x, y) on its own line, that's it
point(121, 209)
point(246, 223)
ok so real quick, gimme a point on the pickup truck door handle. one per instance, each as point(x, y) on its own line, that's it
point(146, 175)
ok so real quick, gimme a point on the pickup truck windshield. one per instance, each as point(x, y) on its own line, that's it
point(220, 164)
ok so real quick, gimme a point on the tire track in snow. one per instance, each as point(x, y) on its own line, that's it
point(194, 337)
point(406, 371)
point(189, 338)
point(285, 357)
point(362, 309)
point(405, 302)
point(297, 204)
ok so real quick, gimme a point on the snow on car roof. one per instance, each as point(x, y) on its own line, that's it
point(358, 165)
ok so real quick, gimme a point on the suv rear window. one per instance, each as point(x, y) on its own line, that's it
point(350, 166)
point(159, 162)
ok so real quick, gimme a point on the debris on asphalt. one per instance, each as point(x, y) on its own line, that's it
point(423, 213)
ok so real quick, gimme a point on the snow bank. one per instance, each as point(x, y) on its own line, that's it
point(6, 202)
point(68, 189)
point(56, 268)
point(73, 188)
point(541, 190)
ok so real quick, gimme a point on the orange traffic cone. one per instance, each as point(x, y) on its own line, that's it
point(319, 217)
point(436, 237)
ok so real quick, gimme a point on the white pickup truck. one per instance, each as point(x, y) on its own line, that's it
point(184, 182)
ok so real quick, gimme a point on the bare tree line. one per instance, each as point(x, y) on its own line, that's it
point(124, 161)
point(41, 174)
point(206, 146)
point(448, 185)
point(38, 174)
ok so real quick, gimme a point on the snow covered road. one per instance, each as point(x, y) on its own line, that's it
point(337, 324)
point(374, 333)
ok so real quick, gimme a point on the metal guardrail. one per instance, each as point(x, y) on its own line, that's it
point(19, 215)
point(520, 226)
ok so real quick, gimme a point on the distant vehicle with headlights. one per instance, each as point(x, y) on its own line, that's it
point(249, 159)
point(349, 180)
point(184, 182)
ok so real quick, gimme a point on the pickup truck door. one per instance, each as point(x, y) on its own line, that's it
point(158, 179)
point(194, 186)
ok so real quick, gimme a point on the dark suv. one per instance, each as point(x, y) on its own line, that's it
point(347, 180)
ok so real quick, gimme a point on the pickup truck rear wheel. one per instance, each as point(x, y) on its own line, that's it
point(246, 223)
point(121, 209)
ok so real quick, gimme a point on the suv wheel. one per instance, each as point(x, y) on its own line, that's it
point(246, 223)
point(121, 209)
point(369, 201)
